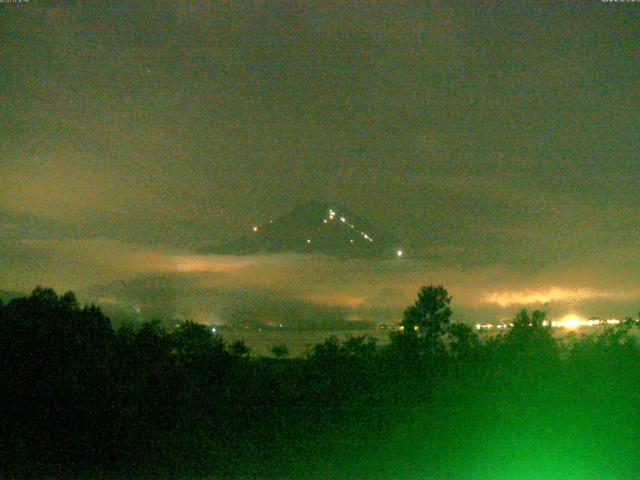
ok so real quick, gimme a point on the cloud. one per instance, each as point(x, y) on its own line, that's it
point(311, 289)
point(552, 294)
point(181, 296)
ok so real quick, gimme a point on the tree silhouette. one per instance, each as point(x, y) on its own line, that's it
point(430, 313)
point(463, 340)
point(359, 347)
point(326, 352)
point(193, 339)
point(81, 400)
point(530, 340)
point(239, 349)
point(280, 351)
point(529, 327)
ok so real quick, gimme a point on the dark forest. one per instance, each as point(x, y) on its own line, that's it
point(84, 400)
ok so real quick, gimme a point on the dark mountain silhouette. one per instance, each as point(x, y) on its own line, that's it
point(316, 228)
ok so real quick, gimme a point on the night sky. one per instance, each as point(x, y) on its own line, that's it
point(500, 143)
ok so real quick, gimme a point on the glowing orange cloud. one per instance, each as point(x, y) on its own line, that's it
point(541, 296)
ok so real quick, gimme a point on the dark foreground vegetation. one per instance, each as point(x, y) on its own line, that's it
point(79, 399)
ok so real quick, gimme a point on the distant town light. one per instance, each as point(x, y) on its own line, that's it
point(255, 228)
point(399, 253)
point(572, 321)
point(213, 329)
point(308, 240)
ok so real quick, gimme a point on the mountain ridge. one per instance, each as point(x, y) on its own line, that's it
point(315, 227)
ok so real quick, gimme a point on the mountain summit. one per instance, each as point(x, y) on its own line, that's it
point(315, 228)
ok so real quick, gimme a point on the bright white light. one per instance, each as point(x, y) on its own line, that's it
point(213, 329)
point(351, 240)
point(571, 321)
point(308, 240)
point(324, 221)
point(486, 326)
point(399, 253)
point(255, 229)
point(342, 219)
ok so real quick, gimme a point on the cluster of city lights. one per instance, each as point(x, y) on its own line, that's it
point(415, 328)
point(332, 216)
point(569, 322)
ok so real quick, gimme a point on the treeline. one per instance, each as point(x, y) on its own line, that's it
point(80, 399)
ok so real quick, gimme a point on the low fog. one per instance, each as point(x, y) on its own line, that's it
point(299, 291)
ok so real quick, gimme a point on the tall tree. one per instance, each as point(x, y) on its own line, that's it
point(430, 314)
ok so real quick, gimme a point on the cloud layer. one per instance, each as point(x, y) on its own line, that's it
point(499, 143)
point(298, 289)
